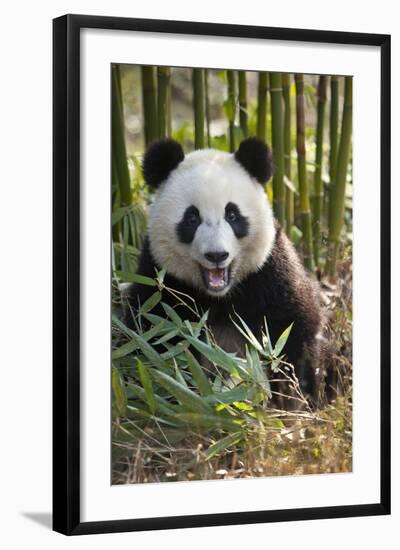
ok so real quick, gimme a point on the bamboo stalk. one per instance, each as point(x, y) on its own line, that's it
point(119, 156)
point(289, 201)
point(318, 185)
point(232, 108)
point(339, 194)
point(198, 108)
point(169, 107)
point(119, 80)
point(169, 113)
point(333, 139)
point(208, 115)
point(163, 83)
point(114, 197)
point(262, 105)
point(302, 175)
point(149, 95)
point(278, 184)
point(243, 117)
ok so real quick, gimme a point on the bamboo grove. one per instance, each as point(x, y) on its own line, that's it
point(308, 128)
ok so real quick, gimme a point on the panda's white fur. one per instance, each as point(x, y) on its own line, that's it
point(209, 179)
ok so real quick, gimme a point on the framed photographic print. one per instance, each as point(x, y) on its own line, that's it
point(221, 274)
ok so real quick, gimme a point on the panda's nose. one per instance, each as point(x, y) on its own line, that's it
point(216, 257)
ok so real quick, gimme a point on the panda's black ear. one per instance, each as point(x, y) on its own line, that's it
point(160, 159)
point(254, 155)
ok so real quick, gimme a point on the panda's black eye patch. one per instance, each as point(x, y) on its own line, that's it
point(236, 220)
point(187, 227)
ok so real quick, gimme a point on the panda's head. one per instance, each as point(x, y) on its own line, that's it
point(210, 223)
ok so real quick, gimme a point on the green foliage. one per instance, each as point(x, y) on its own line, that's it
point(175, 373)
point(172, 386)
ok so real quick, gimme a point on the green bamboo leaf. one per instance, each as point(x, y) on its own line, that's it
point(216, 355)
point(189, 327)
point(161, 276)
point(198, 374)
point(155, 319)
point(168, 336)
point(255, 367)
point(238, 134)
point(162, 404)
point(248, 334)
point(151, 302)
point(179, 376)
point(172, 314)
point(296, 234)
point(128, 247)
point(147, 385)
point(174, 351)
point(136, 413)
point(118, 214)
point(217, 384)
point(223, 444)
point(266, 338)
point(243, 406)
point(120, 325)
point(120, 399)
point(134, 230)
point(132, 345)
point(185, 396)
point(154, 331)
point(280, 344)
point(240, 393)
point(136, 278)
point(200, 325)
point(148, 351)
point(124, 350)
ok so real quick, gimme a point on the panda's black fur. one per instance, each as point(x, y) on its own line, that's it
point(281, 291)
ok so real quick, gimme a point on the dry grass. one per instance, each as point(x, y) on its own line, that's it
point(308, 444)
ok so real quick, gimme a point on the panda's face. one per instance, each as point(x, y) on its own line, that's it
point(211, 224)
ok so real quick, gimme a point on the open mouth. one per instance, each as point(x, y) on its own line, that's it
point(216, 279)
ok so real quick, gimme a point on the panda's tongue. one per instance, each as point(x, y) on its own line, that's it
point(216, 278)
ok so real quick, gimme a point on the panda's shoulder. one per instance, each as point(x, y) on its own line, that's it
point(288, 280)
point(284, 259)
point(282, 279)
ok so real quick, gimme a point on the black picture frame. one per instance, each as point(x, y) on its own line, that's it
point(66, 272)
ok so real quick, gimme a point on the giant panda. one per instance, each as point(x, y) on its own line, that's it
point(212, 227)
